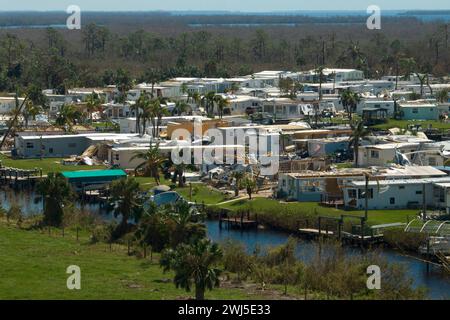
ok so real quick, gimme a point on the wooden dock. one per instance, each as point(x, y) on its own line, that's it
point(238, 222)
point(19, 177)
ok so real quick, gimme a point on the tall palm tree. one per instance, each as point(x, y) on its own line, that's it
point(56, 193)
point(222, 103)
point(358, 132)
point(125, 197)
point(249, 183)
point(350, 101)
point(152, 161)
point(142, 104)
point(237, 176)
point(92, 104)
point(209, 99)
point(34, 94)
point(196, 97)
point(194, 265)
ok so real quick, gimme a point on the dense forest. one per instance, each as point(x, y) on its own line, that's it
point(119, 48)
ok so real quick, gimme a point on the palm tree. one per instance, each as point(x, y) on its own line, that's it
point(31, 110)
point(222, 103)
point(442, 95)
point(179, 172)
point(180, 108)
point(123, 83)
point(196, 97)
point(92, 104)
point(152, 160)
point(358, 132)
point(250, 185)
point(56, 193)
point(209, 99)
point(194, 264)
point(34, 94)
point(183, 215)
point(142, 103)
point(237, 176)
point(407, 65)
point(125, 197)
point(67, 116)
point(350, 101)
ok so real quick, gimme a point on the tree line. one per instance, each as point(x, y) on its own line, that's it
point(93, 56)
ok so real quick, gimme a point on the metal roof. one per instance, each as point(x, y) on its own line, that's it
point(93, 173)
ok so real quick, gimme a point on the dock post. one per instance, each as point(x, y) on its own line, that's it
point(320, 229)
point(362, 232)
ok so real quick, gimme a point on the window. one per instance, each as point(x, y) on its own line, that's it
point(419, 192)
point(374, 154)
point(30, 145)
point(401, 187)
point(432, 161)
point(50, 150)
point(415, 110)
point(116, 156)
point(292, 109)
point(72, 145)
point(352, 193)
point(392, 200)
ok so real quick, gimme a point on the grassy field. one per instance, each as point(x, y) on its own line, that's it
point(33, 266)
point(310, 210)
point(403, 124)
point(47, 164)
point(201, 193)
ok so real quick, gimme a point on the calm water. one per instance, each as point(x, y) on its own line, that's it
point(437, 283)
point(31, 203)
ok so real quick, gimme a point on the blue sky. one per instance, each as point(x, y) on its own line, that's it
point(230, 5)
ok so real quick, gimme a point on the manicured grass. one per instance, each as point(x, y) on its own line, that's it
point(47, 164)
point(310, 210)
point(33, 266)
point(403, 124)
point(201, 193)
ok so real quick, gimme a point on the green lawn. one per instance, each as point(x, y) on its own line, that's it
point(274, 209)
point(201, 193)
point(47, 164)
point(33, 266)
point(403, 124)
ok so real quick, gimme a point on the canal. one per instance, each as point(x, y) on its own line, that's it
point(434, 279)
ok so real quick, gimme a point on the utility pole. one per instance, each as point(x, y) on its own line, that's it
point(366, 197)
point(424, 203)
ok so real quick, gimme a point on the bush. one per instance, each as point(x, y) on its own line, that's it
point(14, 213)
point(236, 260)
point(406, 241)
point(103, 233)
